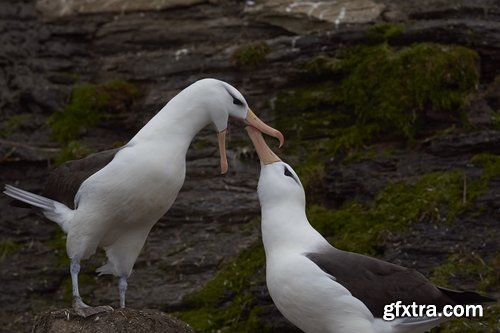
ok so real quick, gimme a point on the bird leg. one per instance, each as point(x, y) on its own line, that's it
point(122, 288)
point(79, 306)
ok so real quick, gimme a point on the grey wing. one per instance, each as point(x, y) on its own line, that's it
point(65, 180)
point(376, 282)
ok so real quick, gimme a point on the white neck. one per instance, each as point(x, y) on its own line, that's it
point(287, 226)
point(178, 122)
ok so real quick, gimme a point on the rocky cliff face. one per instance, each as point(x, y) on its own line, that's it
point(50, 49)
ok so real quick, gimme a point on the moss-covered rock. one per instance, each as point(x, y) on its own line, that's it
point(392, 91)
point(384, 32)
point(399, 89)
point(250, 56)
point(363, 228)
point(73, 150)
point(373, 93)
point(12, 124)
point(467, 265)
point(226, 303)
point(88, 104)
point(488, 323)
point(8, 246)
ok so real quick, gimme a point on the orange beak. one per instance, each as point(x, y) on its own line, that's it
point(221, 137)
point(257, 126)
point(266, 155)
point(254, 121)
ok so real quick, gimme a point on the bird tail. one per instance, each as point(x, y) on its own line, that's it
point(53, 210)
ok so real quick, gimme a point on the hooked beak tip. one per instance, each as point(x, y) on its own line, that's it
point(281, 138)
point(254, 121)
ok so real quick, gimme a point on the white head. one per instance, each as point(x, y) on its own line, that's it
point(278, 182)
point(223, 101)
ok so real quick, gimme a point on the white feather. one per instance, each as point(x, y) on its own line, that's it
point(53, 210)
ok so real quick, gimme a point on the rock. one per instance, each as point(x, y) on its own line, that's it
point(122, 320)
point(56, 9)
point(308, 16)
point(463, 143)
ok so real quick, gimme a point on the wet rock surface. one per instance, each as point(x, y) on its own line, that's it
point(46, 49)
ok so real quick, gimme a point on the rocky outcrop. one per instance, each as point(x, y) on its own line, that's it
point(309, 16)
point(51, 9)
point(122, 320)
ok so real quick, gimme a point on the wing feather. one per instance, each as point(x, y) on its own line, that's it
point(377, 283)
point(64, 181)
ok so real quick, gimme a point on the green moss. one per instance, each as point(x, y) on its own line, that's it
point(7, 246)
point(321, 67)
point(58, 243)
point(495, 119)
point(12, 124)
point(489, 323)
point(469, 265)
point(88, 105)
point(83, 111)
point(225, 304)
point(73, 150)
point(397, 88)
point(384, 31)
point(373, 93)
point(251, 56)
point(491, 168)
point(363, 228)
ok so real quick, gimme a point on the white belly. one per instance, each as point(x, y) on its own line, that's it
point(128, 193)
point(311, 300)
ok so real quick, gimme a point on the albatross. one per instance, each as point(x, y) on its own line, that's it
point(321, 289)
point(113, 198)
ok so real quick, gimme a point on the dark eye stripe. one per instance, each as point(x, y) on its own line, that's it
point(288, 173)
point(237, 101)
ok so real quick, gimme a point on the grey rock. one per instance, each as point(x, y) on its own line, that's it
point(308, 16)
point(52, 9)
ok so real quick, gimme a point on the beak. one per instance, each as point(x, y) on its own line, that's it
point(221, 137)
point(266, 155)
point(254, 121)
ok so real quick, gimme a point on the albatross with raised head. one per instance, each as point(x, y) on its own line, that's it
point(113, 198)
point(321, 289)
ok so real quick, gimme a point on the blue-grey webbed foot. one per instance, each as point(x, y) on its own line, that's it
point(85, 310)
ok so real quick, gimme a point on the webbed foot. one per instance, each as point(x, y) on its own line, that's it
point(85, 310)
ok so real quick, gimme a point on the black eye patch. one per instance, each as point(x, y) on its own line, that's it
point(237, 101)
point(288, 173)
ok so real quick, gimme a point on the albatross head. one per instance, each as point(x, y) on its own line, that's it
point(226, 101)
point(278, 182)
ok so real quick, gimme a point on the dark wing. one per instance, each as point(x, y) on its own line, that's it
point(377, 283)
point(466, 297)
point(65, 180)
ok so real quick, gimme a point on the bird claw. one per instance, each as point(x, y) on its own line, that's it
point(84, 310)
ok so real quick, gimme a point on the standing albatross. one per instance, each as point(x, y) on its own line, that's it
point(321, 289)
point(113, 198)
